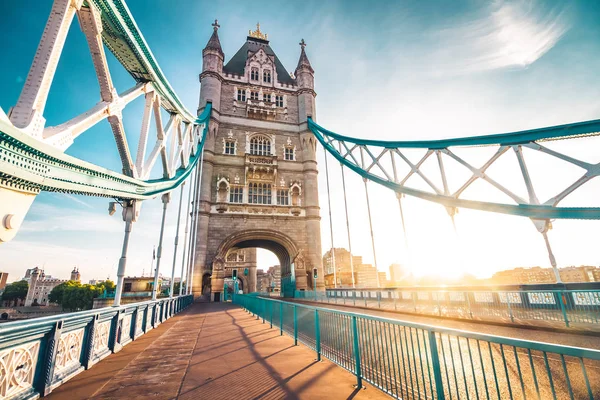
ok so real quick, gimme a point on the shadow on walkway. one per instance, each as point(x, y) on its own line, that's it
point(214, 351)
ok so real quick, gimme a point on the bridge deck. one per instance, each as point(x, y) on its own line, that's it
point(213, 351)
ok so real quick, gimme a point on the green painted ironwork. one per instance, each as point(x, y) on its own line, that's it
point(53, 349)
point(30, 165)
point(536, 211)
point(577, 309)
point(409, 360)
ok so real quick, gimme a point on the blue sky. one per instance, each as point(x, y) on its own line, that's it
point(387, 70)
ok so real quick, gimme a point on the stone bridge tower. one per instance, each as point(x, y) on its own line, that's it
point(259, 179)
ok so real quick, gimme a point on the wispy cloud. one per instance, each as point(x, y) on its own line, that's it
point(504, 35)
point(76, 200)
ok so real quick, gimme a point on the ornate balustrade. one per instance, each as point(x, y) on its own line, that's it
point(40, 354)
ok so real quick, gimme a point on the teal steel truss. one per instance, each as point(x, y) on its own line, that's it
point(382, 161)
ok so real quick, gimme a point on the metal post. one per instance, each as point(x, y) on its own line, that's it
point(332, 251)
point(356, 347)
point(185, 240)
point(469, 304)
point(129, 217)
point(561, 297)
point(348, 225)
point(372, 236)
point(196, 212)
point(295, 327)
point(551, 256)
point(176, 242)
point(165, 199)
point(317, 335)
point(280, 319)
point(435, 363)
point(193, 224)
point(512, 319)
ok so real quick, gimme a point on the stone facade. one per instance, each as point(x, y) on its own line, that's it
point(41, 285)
point(259, 174)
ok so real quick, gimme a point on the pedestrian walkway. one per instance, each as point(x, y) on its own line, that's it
point(214, 351)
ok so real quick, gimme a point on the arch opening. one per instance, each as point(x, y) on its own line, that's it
point(239, 252)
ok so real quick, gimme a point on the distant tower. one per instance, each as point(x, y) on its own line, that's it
point(36, 273)
point(75, 275)
point(259, 175)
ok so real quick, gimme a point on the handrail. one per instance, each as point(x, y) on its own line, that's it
point(578, 309)
point(412, 360)
point(48, 351)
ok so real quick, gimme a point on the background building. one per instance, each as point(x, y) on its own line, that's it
point(523, 276)
point(343, 266)
point(269, 280)
point(399, 275)
point(3, 278)
point(41, 285)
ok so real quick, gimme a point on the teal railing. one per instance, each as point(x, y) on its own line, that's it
point(416, 361)
point(579, 309)
point(38, 355)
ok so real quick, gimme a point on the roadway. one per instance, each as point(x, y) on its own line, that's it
point(471, 368)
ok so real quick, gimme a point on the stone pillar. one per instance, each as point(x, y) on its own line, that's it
point(310, 204)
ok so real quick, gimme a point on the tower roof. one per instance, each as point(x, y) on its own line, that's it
point(303, 61)
point(214, 43)
point(256, 41)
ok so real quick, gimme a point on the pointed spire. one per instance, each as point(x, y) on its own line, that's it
point(214, 43)
point(303, 62)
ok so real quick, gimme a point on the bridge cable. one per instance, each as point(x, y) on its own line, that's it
point(165, 199)
point(365, 180)
point(347, 224)
point(332, 251)
point(176, 242)
point(551, 255)
point(406, 247)
point(192, 219)
point(185, 238)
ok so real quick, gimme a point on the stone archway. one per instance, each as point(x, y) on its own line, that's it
point(281, 245)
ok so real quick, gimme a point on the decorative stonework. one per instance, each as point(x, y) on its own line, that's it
point(101, 337)
point(69, 351)
point(139, 321)
point(126, 328)
point(17, 368)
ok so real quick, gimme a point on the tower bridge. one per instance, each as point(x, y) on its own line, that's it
point(243, 174)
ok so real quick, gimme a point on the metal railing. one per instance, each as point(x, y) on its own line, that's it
point(559, 308)
point(416, 361)
point(38, 355)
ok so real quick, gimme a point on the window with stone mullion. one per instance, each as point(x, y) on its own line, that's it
point(283, 198)
point(259, 193)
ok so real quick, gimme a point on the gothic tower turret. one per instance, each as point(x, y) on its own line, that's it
point(305, 77)
point(212, 67)
point(75, 275)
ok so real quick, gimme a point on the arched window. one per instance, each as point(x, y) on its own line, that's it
point(266, 76)
point(259, 193)
point(254, 74)
point(260, 146)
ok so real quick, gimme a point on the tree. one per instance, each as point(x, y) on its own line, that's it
point(80, 297)
point(56, 294)
point(176, 288)
point(73, 296)
point(107, 285)
point(15, 291)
